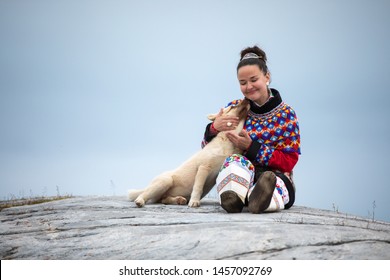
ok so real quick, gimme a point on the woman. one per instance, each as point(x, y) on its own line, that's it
point(260, 177)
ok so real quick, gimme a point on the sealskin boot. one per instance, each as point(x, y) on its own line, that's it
point(261, 195)
point(231, 202)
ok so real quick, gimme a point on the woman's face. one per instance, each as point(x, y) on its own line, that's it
point(253, 83)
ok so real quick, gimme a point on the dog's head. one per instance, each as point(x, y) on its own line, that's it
point(240, 110)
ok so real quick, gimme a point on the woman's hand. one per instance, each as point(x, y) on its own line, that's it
point(241, 140)
point(225, 123)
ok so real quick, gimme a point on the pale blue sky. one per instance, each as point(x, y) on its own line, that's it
point(97, 97)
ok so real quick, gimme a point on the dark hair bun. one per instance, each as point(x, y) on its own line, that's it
point(255, 50)
point(259, 59)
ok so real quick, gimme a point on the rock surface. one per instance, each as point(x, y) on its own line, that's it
point(114, 228)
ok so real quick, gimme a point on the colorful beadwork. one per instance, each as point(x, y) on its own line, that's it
point(275, 130)
point(240, 159)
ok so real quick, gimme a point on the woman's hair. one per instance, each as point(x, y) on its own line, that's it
point(254, 56)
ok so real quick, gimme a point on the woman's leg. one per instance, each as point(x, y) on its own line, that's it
point(233, 182)
point(269, 194)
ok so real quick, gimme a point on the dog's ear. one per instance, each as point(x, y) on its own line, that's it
point(212, 117)
point(243, 108)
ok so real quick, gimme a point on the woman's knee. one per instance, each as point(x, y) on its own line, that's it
point(236, 174)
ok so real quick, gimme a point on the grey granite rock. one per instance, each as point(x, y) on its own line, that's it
point(113, 228)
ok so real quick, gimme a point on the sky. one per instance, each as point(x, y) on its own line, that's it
point(98, 97)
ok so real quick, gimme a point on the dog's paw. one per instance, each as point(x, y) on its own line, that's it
point(194, 203)
point(181, 200)
point(139, 202)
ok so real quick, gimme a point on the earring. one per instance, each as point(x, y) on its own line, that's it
point(269, 89)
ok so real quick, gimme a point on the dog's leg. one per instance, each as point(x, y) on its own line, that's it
point(210, 182)
point(180, 200)
point(155, 190)
point(197, 190)
point(133, 194)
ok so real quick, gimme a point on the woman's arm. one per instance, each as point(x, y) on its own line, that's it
point(268, 156)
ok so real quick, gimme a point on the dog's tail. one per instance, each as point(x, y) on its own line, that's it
point(133, 194)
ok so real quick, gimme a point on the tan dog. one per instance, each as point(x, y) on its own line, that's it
point(196, 176)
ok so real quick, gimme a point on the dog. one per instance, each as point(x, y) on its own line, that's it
point(195, 177)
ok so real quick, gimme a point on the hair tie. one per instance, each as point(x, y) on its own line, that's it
point(251, 55)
